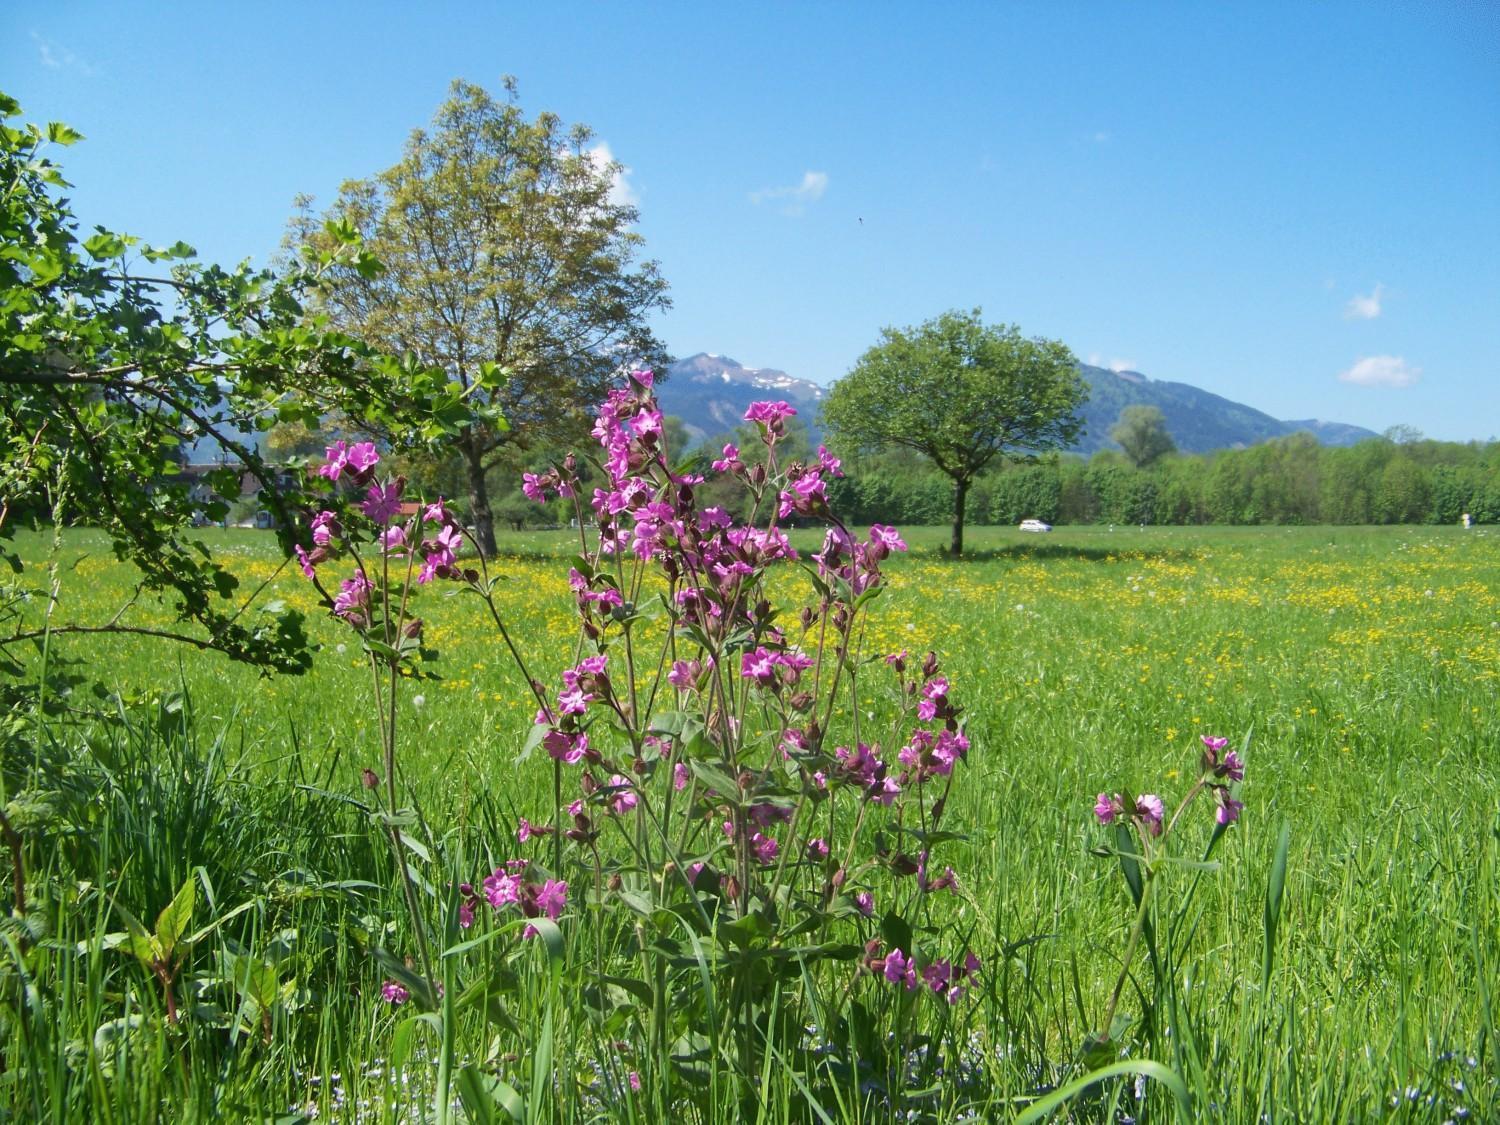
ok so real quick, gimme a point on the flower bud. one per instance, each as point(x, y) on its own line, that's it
point(414, 629)
point(369, 778)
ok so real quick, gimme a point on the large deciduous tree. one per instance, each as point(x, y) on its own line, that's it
point(1141, 431)
point(961, 393)
point(511, 263)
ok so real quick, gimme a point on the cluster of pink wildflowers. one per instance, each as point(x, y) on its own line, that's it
point(1218, 767)
point(945, 979)
point(509, 886)
point(433, 532)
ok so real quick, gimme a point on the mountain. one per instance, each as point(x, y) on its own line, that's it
point(710, 393)
point(1198, 420)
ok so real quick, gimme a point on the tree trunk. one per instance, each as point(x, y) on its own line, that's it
point(479, 496)
point(960, 497)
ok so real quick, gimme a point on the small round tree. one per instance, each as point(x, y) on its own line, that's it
point(1141, 432)
point(961, 393)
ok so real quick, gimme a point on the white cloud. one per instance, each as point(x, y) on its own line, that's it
point(1364, 308)
point(1122, 365)
point(622, 192)
point(57, 57)
point(1381, 371)
point(795, 198)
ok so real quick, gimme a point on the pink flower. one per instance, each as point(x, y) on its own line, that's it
point(573, 702)
point(635, 1081)
point(383, 501)
point(337, 456)
point(817, 849)
point(1213, 743)
point(525, 830)
point(353, 596)
point(1150, 810)
point(393, 538)
point(531, 485)
point(624, 799)
point(393, 994)
point(304, 562)
point(683, 674)
point(864, 902)
point(769, 414)
point(1229, 809)
point(325, 525)
point(900, 969)
point(888, 538)
point(569, 749)
point(363, 457)
point(679, 776)
point(1107, 807)
point(466, 914)
point(764, 847)
point(1232, 767)
point(828, 463)
point(502, 888)
point(552, 898)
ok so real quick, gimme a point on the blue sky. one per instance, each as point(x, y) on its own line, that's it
point(1296, 206)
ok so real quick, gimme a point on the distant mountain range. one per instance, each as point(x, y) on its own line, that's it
point(1198, 420)
point(711, 392)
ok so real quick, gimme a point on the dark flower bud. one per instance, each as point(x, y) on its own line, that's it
point(414, 629)
point(471, 575)
point(903, 864)
point(588, 784)
point(807, 617)
point(615, 882)
point(369, 778)
point(838, 878)
point(930, 665)
point(757, 475)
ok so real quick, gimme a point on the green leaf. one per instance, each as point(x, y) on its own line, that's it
point(173, 922)
point(1275, 888)
point(1040, 1110)
point(104, 246)
point(896, 931)
point(60, 134)
point(483, 1093)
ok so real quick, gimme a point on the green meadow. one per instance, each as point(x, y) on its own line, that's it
point(1341, 962)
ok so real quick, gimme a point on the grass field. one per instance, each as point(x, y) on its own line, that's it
point(1365, 664)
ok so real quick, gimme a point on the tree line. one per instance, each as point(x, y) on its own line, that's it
point(1290, 480)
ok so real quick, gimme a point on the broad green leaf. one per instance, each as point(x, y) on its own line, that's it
point(173, 921)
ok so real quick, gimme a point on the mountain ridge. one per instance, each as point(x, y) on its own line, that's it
point(710, 393)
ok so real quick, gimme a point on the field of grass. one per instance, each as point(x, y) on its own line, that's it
point(1363, 663)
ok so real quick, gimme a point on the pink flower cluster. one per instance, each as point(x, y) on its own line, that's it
point(508, 885)
point(942, 977)
point(1148, 810)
